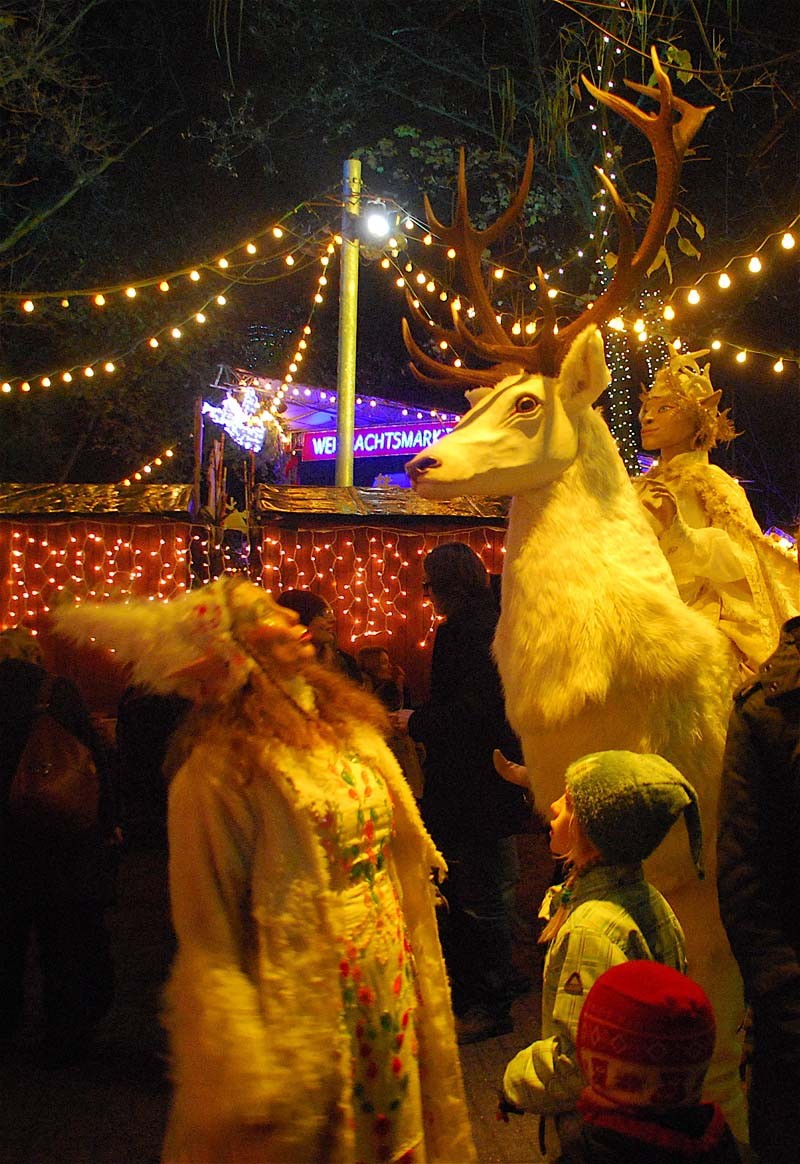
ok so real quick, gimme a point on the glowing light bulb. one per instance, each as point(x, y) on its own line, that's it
point(88, 372)
point(221, 300)
point(724, 281)
point(28, 306)
point(277, 232)
point(194, 276)
point(223, 263)
point(787, 242)
point(777, 366)
point(109, 367)
point(200, 317)
point(616, 324)
point(130, 292)
point(677, 344)
point(6, 387)
point(45, 382)
point(741, 357)
point(638, 325)
point(499, 272)
point(153, 342)
point(176, 333)
point(67, 377)
point(65, 302)
point(99, 300)
point(693, 296)
point(163, 285)
point(428, 239)
point(551, 294)
point(754, 265)
point(251, 248)
point(716, 345)
point(25, 386)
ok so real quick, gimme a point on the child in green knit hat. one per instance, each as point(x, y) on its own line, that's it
point(616, 810)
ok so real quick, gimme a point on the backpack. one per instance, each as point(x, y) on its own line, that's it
point(56, 785)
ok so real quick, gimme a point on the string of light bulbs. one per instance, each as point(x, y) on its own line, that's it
point(172, 330)
point(146, 470)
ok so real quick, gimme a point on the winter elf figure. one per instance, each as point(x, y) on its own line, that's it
point(308, 1008)
point(723, 565)
point(617, 808)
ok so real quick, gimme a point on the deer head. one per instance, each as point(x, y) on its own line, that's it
point(518, 436)
point(522, 390)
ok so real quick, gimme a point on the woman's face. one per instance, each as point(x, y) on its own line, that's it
point(322, 628)
point(284, 639)
point(431, 595)
point(666, 426)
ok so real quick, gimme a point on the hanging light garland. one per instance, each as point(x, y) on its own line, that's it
point(146, 470)
point(293, 259)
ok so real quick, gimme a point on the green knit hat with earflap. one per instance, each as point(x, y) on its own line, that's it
point(626, 803)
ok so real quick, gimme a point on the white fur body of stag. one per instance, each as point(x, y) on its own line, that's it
point(594, 646)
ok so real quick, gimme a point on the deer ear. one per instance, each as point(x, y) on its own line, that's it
point(584, 374)
point(476, 395)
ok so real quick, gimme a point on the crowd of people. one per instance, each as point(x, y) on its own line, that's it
point(342, 861)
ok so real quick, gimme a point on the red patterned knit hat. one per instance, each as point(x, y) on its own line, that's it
point(645, 1037)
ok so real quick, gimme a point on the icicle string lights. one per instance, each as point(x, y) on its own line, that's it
point(370, 575)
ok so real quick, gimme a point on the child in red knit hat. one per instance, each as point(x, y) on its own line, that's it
point(645, 1038)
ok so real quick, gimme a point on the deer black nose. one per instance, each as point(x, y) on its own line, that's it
point(419, 466)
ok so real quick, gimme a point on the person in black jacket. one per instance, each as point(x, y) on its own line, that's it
point(759, 886)
point(56, 885)
point(469, 810)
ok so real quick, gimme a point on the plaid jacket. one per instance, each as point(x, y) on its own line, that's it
point(613, 916)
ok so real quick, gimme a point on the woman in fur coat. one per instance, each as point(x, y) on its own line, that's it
point(308, 1009)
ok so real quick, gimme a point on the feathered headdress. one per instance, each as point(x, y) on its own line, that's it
point(683, 380)
point(203, 645)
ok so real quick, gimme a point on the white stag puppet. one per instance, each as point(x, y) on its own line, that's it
point(595, 648)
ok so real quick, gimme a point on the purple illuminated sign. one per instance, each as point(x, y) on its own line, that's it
point(402, 440)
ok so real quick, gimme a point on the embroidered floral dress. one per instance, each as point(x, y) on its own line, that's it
point(376, 967)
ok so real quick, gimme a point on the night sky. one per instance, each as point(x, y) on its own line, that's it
point(173, 77)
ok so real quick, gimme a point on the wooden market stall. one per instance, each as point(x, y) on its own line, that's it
point(361, 549)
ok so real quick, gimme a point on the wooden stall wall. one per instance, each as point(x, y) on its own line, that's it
point(44, 562)
point(372, 577)
point(370, 574)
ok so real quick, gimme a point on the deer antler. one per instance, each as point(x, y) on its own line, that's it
point(669, 139)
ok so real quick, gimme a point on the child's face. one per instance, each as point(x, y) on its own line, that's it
point(561, 819)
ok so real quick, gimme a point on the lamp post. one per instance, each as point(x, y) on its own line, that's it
point(348, 323)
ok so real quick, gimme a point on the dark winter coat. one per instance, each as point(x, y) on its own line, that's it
point(72, 867)
point(759, 886)
point(759, 828)
point(696, 1135)
point(460, 726)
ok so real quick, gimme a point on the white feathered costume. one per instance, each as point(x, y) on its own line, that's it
point(308, 1008)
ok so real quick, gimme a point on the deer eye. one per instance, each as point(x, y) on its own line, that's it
point(527, 404)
